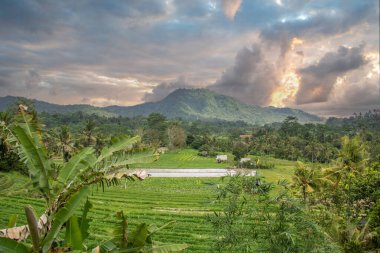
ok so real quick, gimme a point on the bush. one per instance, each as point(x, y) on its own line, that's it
point(206, 151)
point(254, 219)
point(257, 164)
point(9, 160)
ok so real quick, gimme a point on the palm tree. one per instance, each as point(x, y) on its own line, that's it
point(65, 142)
point(65, 193)
point(352, 159)
point(5, 117)
point(309, 179)
point(100, 142)
point(5, 121)
point(89, 132)
point(304, 178)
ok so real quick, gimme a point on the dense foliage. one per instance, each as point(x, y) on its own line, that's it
point(189, 104)
point(255, 219)
point(65, 186)
point(329, 208)
point(331, 205)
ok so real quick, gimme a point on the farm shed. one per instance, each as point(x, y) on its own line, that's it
point(221, 158)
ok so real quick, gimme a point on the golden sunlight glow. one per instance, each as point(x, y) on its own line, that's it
point(295, 41)
point(373, 58)
point(340, 80)
point(287, 90)
point(289, 82)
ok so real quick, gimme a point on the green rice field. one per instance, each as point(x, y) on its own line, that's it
point(154, 201)
point(186, 158)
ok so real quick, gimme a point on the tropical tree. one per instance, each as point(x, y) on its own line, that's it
point(88, 132)
point(65, 142)
point(8, 156)
point(138, 241)
point(176, 137)
point(353, 156)
point(352, 160)
point(5, 117)
point(100, 143)
point(255, 219)
point(308, 179)
point(155, 131)
point(349, 197)
point(239, 150)
point(65, 192)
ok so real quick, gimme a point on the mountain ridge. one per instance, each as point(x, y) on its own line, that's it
point(190, 104)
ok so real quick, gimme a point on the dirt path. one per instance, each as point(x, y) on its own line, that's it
point(192, 172)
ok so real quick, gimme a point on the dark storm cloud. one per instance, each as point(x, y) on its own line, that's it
point(363, 96)
point(315, 19)
point(252, 79)
point(5, 77)
point(4, 82)
point(33, 79)
point(163, 89)
point(44, 15)
point(28, 16)
point(318, 80)
point(356, 95)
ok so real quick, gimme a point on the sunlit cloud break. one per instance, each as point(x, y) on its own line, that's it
point(288, 53)
point(231, 7)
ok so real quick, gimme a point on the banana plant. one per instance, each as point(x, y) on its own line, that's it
point(65, 193)
point(139, 240)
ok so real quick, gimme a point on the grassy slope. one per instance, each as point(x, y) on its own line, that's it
point(185, 158)
point(283, 169)
point(14, 182)
point(188, 158)
point(154, 201)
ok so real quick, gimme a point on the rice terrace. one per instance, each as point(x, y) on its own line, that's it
point(153, 201)
point(155, 126)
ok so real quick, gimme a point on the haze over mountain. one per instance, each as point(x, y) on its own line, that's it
point(189, 104)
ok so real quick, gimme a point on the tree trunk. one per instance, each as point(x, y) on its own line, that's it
point(304, 193)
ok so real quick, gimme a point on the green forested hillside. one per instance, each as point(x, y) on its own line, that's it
point(41, 106)
point(205, 104)
point(189, 104)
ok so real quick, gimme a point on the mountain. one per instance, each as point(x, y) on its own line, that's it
point(204, 104)
point(189, 104)
point(41, 106)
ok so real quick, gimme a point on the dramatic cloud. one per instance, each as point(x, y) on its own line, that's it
point(252, 79)
point(312, 20)
point(230, 7)
point(318, 80)
point(163, 89)
point(33, 79)
point(72, 87)
point(350, 94)
point(126, 52)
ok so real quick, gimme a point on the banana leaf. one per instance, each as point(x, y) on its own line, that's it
point(63, 215)
point(11, 246)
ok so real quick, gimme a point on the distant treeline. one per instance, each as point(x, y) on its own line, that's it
point(287, 140)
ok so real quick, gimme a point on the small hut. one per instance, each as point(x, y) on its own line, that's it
point(221, 158)
point(244, 160)
point(162, 150)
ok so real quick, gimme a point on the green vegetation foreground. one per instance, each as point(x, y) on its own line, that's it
point(65, 187)
point(152, 201)
point(327, 208)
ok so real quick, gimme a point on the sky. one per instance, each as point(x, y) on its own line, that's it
point(321, 56)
